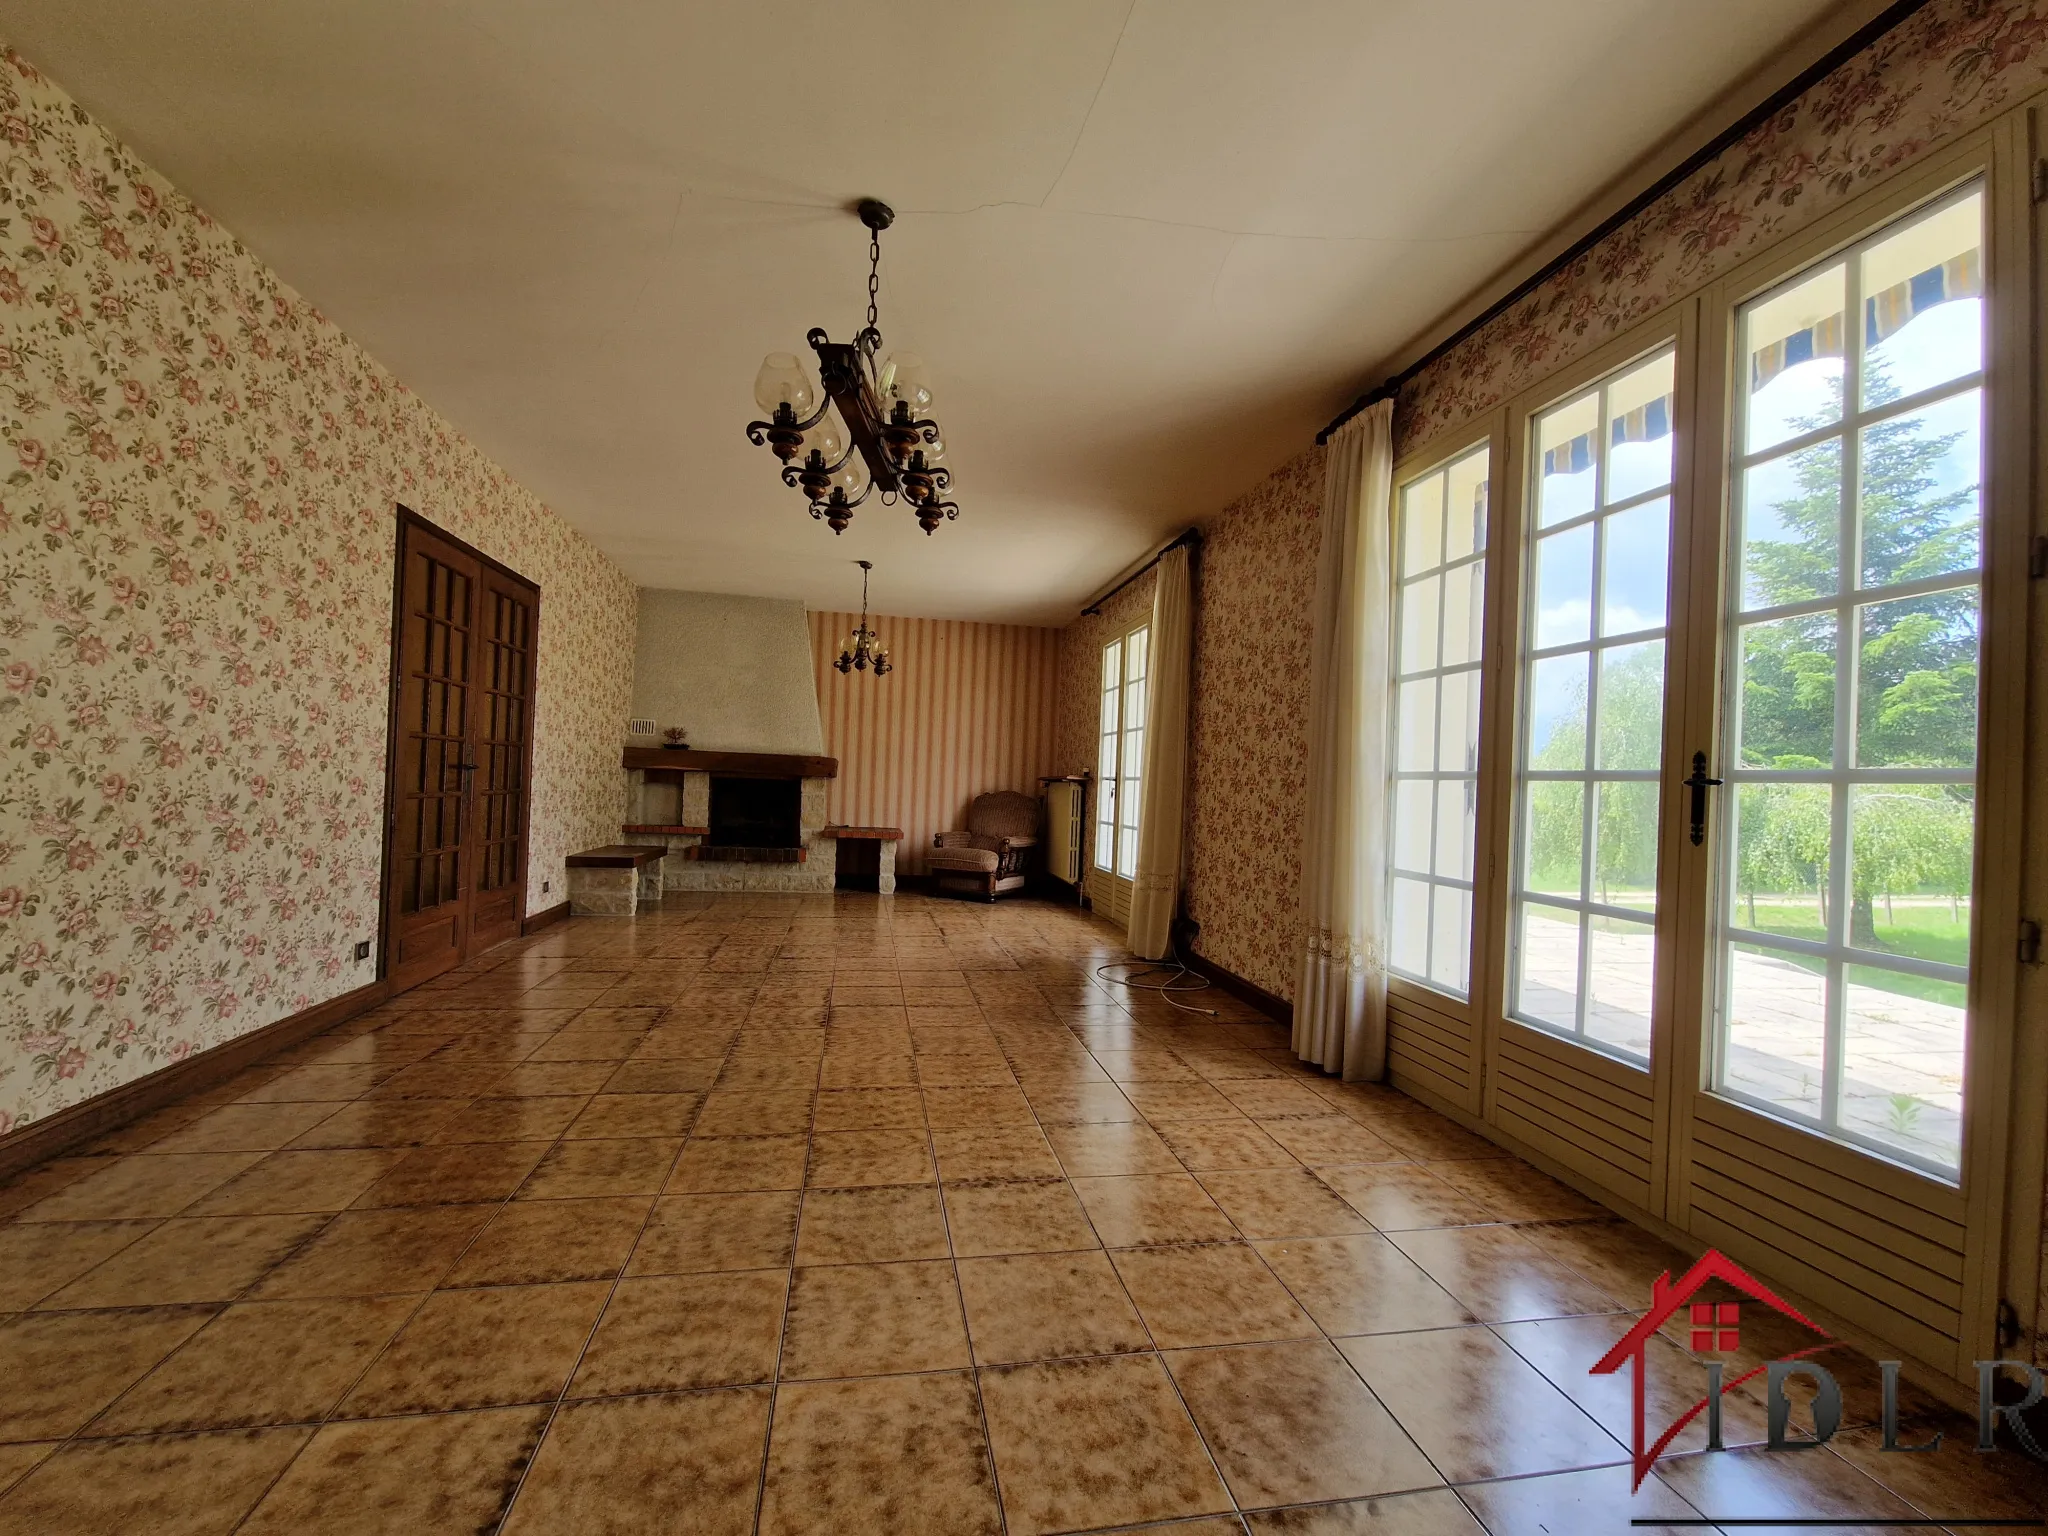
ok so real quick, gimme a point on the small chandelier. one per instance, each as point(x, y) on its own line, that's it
point(871, 432)
point(865, 649)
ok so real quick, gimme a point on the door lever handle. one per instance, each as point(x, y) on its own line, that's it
point(1699, 784)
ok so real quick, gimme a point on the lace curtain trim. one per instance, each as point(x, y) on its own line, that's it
point(1350, 951)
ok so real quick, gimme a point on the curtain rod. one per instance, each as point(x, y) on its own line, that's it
point(1779, 99)
point(1189, 539)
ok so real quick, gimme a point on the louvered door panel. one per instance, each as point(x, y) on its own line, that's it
point(1578, 1108)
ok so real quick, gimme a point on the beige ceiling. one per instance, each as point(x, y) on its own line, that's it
point(1146, 248)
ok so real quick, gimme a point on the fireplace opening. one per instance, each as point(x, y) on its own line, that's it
point(756, 813)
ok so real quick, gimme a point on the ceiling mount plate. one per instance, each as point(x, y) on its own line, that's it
point(877, 215)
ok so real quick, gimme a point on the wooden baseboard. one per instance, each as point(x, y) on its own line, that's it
point(546, 917)
point(54, 1134)
point(1275, 1008)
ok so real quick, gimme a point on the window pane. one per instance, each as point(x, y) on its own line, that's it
point(1793, 340)
point(1639, 406)
point(1564, 587)
point(1418, 625)
point(1422, 525)
point(1410, 926)
point(1557, 713)
point(1465, 501)
point(1631, 733)
point(1415, 728)
point(1414, 818)
point(1618, 984)
point(1916, 682)
point(1787, 717)
point(1910, 856)
point(1134, 660)
point(1548, 971)
point(1792, 527)
point(1632, 569)
point(1455, 821)
point(1556, 833)
point(1783, 840)
point(1923, 311)
point(1464, 607)
point(1902, 1074)
point(1450, 943)
point(1458, 723)
point(1568, 440)
point(1917, 515)
point(1775, 1048)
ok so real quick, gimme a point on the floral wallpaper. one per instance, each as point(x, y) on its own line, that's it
point(1944, 70)
point(198, 475)
point(1254, 584)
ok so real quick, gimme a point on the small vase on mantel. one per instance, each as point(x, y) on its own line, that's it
point(675, 738)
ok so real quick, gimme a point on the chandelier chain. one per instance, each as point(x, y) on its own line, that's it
point(874, 278)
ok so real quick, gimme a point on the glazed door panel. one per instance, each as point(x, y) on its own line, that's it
point(461, 737)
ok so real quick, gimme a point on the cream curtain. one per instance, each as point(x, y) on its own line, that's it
point(1162, 795)
point(1340, 991)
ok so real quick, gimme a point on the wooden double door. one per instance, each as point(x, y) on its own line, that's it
point(463, 639)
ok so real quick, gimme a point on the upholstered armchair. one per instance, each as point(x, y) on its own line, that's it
point(1002, 829)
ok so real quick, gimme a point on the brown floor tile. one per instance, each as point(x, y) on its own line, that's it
point(62, 1368)
point(1598, 1500)
point(292, 1182)
point(665, 1333)
point(17, 1461)
point(37, 1258)
point(1956, 1478)
point(380, 1123)
point(447, 1472)
point(1504, 1420)
point(467, 1173)
point(870, 1109)
point(181, 1485)
point(1282, 1202)
point(664, 1075)
point(368, 1253)
point(754, 1111)
point(1013, 1217)
point(861, 1069)
point(1756, 1483)
point(141, 1184)
point(964, 1072)
point(1292, 1424)
point(190, 1258)
point(1152, 1208)
point(1043, 1306)
point(1145, 1067)
point(1323, 1141)
point(874, 1319)
point(1208, 1145)
point(441, 1080)
point(856, 1159)
point(1618, 1256)
point(1209, 1293)
point(710, 1165)
point(1500, 1275)
point(607, 1466)
point(320, 1084)
point(1432, 1138)
point(903, 1454)
point(694, 1234)
point(1402, 1197)
point(1081, 1443)
point(1513, 1191)
point(533, 1118)
point(481, 1349)
point(623, 1115)
point(246, 1128)
point(45, 1179)
point(1113, 1147)
point(530, 1242)
point(1162, 1102)
point(546, 1079)
point(576, 1168)
point(871, 1226)
point(1361, 1284)
point(966, 1108)
point(267, 1362)
point(589, 1045)
point(1000, 1152)
point(1082, 1104)
point(1436, 1512)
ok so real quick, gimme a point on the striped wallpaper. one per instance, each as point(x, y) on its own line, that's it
point(969, 708)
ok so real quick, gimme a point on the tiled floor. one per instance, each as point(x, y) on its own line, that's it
point(795, 1214)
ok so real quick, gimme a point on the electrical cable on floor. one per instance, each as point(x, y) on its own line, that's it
point(1171, 970)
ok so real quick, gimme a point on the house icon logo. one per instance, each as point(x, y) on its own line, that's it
point(1715, 1327)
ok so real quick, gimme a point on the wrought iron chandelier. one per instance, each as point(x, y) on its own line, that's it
point(870, 433)
point(864, 645)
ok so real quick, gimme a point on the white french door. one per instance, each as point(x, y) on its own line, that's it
point(1745, 889)
point(1119, 770)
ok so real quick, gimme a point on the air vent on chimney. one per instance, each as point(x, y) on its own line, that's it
point(642, 728)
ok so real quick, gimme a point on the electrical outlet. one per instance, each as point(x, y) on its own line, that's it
point(546, 886)
point(363, 950)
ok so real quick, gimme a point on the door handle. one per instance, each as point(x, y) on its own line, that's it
point(1699, 784)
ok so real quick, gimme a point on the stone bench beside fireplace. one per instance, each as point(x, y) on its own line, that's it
point(732, 821)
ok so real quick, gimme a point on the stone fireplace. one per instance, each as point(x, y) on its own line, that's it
point(733, 821)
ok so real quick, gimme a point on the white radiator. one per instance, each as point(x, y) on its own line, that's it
point(1065, 829)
